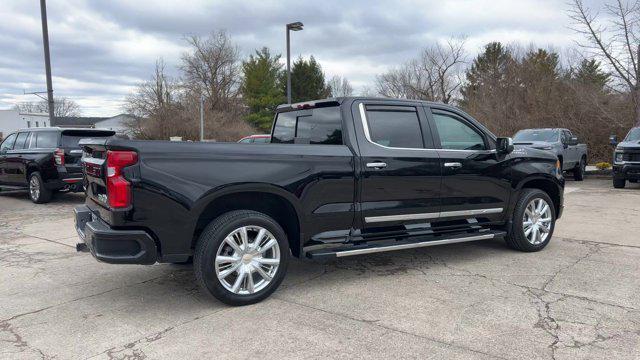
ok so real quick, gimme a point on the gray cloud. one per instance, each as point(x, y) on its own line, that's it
point(101, 49)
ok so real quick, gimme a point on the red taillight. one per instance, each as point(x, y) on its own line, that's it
point(58, 156)
point(118, 188)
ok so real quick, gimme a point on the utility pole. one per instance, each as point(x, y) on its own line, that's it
point(47, 60)
point(201, 117)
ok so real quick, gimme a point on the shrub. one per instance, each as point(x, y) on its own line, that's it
point(603, 166)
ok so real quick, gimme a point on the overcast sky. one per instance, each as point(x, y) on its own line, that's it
point(101, 49)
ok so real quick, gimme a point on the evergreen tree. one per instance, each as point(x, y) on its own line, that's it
point(488, 71)
point(542, 64)
point(261, 89)
point(590, 73)
point(307, 81)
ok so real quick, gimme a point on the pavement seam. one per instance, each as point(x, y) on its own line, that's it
point(388, 328)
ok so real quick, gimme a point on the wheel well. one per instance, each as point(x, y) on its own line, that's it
point(30, 169)
point(269, 204)
point(548, 187)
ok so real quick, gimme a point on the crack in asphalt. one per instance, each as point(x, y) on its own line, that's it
point(389, 328)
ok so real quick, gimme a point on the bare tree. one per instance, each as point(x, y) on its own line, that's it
point(436, 75)
point(61, 107)
point(154, 106)
point(212, 68)
point(618, 42)
point(339, 86)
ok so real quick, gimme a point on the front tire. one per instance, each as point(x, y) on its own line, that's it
point(241, 257)
point(534, 220)
point(37, 192)
point(619, 183)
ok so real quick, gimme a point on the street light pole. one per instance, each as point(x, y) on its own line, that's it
point(296, 26)
point(47, 60)
point(201, 117)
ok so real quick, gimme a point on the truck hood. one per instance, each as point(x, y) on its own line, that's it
point(531, 152)
point(629, 145)
point(533, 144)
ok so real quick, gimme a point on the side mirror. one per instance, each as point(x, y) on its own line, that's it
point(573, 141)
point(613, 140)
point(504, 145)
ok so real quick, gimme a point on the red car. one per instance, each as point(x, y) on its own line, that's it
point(256, 139)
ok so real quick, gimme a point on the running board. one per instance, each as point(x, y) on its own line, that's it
point(402, 245)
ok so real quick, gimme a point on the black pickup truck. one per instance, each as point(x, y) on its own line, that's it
point(340, 177)
point(44, 160)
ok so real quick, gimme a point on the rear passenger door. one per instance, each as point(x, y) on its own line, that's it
point(400, 170)
point(475, 180)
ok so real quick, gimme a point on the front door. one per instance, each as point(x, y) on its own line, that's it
point(15, 162)
point(5, 147)
point(400, 169)
point(475, 179)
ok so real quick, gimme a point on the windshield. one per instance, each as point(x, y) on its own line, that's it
point(633, 135)
point(536, 135)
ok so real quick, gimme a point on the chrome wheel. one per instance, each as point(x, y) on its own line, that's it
point(537, 221)
point(34, 188)
point(247, 260)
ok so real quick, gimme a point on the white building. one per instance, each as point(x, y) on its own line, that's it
point(12, 120)
point(116, 123)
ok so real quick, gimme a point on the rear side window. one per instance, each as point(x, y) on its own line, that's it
point(7, 144)
point(46, 139)
point(310, 126)
point(394, 126)
point(455, 134)
point(20, 141)
point(261, 140)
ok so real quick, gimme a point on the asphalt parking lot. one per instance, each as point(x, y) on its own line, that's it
point(579, 298)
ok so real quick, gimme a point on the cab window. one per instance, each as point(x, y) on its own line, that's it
point(7, 144)
point(456, 134)
point(21, 141)
point(395, 126)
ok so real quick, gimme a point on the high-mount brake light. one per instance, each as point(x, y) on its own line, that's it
point(118, 188)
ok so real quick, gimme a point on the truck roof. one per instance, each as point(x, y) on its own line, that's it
point(336, 101)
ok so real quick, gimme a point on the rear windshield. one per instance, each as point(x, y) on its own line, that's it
point(536, 135)
point(71, 139)
point(309, 126)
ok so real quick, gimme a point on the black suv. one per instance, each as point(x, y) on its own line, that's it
point(626, 158)
point(44, 160)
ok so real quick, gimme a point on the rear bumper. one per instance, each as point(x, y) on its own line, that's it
point(626, 171)
point(111, 245)
point(70, 179)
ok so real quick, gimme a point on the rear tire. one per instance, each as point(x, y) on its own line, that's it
point(241, 257)
point(619, 183)
point(579, 171)
point(523, 236)
point(37, 192)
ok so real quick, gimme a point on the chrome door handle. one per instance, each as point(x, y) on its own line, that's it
point(377, 165)
point(453, 165)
